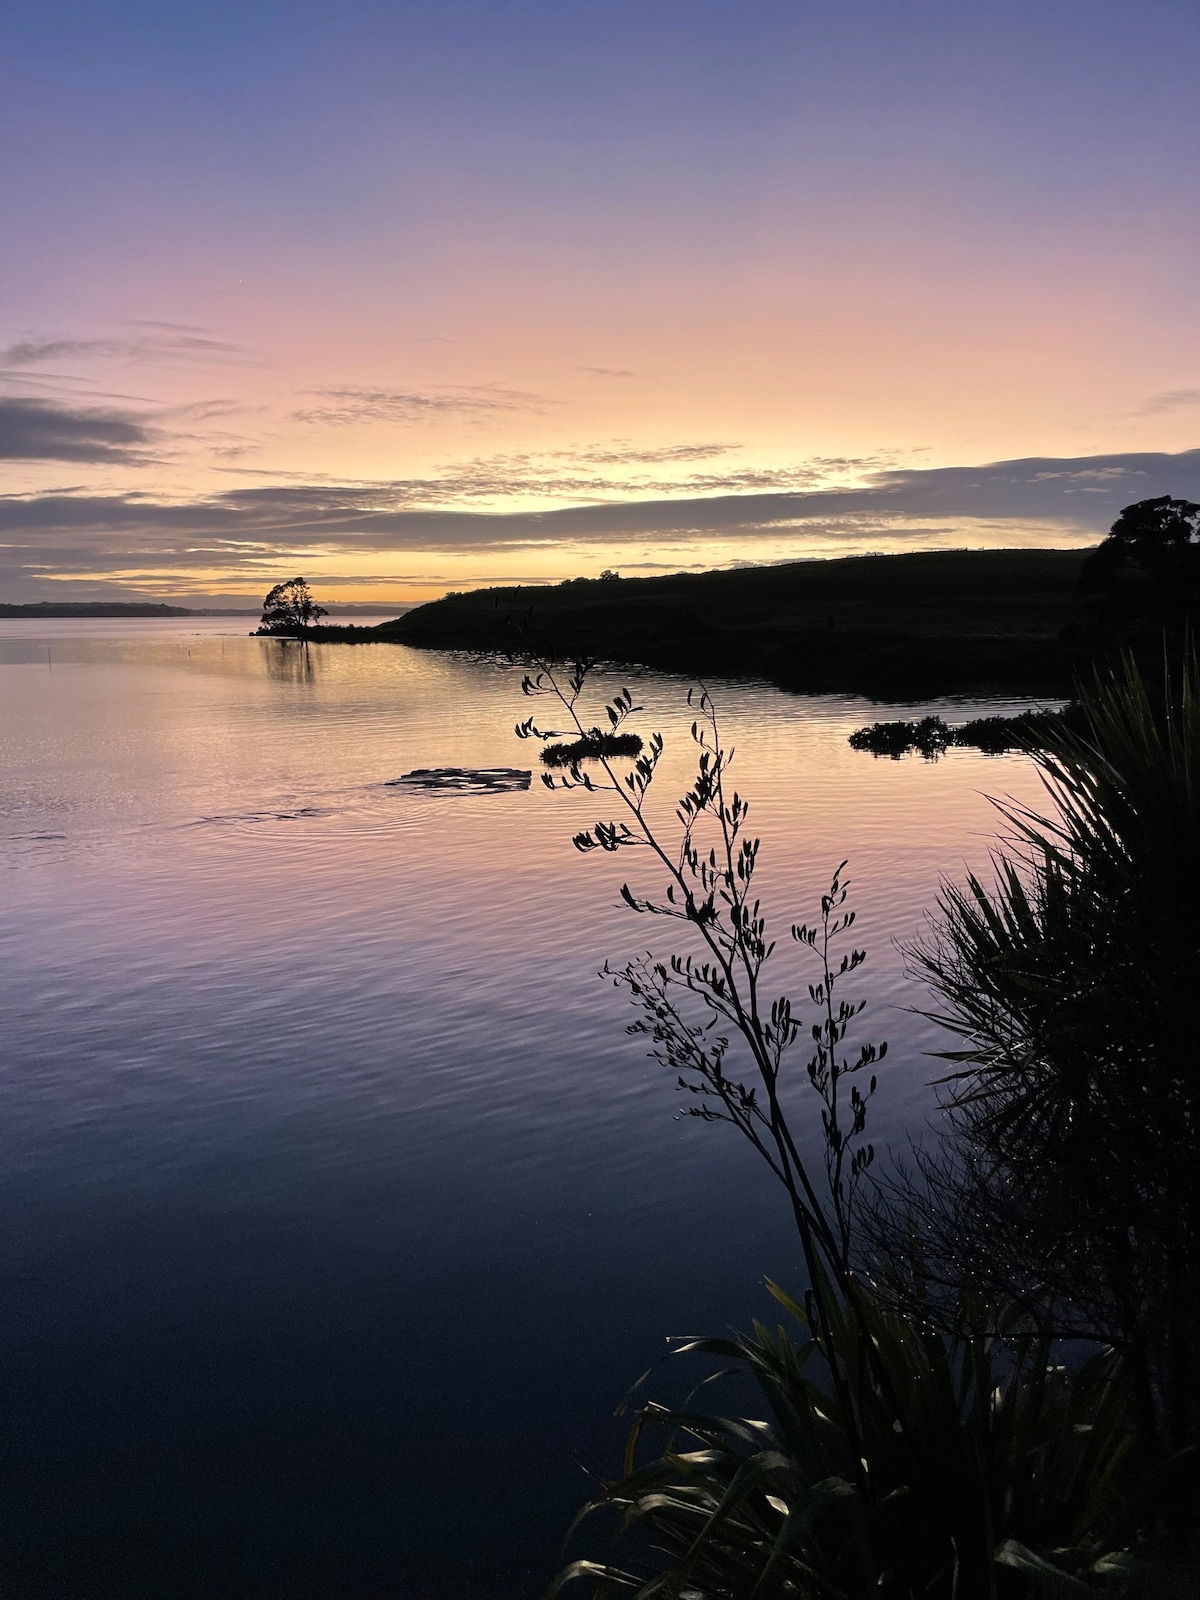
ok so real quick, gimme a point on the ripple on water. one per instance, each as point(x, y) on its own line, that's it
point(327, 1161)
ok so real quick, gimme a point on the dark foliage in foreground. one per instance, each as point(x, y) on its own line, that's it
point(912, 1448)
point(1071, 1181)
point(960, 1468)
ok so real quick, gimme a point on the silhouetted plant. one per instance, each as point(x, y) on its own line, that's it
point(987, 1469)
point(1072, 1179)
point(904, 1459)
point(685, 999)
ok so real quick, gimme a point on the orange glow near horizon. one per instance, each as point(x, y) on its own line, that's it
point(498, 269)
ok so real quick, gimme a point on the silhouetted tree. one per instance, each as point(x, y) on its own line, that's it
point(1145, 576)
point(290, 610)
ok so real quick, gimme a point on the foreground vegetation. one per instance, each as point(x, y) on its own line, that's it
point(925, 1430)
point(1070, 1183)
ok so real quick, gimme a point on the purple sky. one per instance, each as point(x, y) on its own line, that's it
point(386, 291)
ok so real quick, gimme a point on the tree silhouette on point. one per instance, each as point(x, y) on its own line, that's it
point(290, 610)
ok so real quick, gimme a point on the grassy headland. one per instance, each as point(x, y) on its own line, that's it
point(892, 627)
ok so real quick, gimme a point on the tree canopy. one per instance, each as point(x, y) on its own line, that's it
point(1149, 527)
point(1146, 575)
point(290, 610)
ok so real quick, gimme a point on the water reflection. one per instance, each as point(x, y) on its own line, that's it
point(329, 1177)
point(289, 661)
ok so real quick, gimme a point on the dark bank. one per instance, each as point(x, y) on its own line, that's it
point(891, 627)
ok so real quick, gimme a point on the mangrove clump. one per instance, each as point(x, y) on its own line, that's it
point(594, 745)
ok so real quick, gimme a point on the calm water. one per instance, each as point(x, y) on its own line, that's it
point(338, 1211)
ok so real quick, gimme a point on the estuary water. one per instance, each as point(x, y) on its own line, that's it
point(337, 1210)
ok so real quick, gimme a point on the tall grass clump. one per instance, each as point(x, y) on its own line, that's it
point(917, 1438)
point(1071, 1177)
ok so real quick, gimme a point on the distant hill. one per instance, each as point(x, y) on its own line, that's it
point(89, 608)
point(893, 627)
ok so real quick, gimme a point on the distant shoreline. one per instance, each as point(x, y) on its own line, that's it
point(116, 608)
point(54, 608)
point(136, 608)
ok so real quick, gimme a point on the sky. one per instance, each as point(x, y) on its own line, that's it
point(412, 296)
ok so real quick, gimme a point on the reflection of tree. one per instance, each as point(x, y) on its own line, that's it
point(288, 661)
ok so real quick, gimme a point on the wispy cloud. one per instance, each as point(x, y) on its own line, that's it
point(163, 344)
point(1085, 492)
point(350, 406)
point(623, 470)
point(1170, 400)
point(192, 428)
point(621, 454)
point(64, 386)
point(39, 430)
point(251, 530)
point(165, 327)
point(204, 410)
point(608, 372)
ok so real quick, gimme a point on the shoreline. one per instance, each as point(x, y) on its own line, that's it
point(892, 628)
